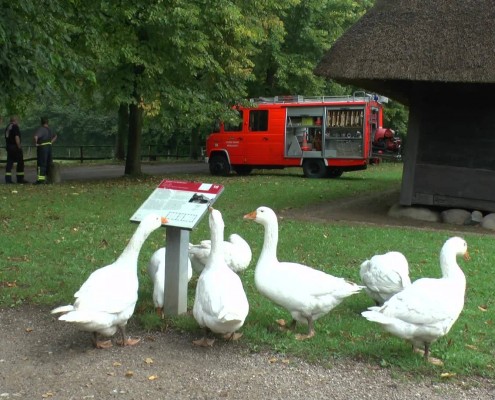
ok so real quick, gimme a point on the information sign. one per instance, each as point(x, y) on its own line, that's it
point(183, 203)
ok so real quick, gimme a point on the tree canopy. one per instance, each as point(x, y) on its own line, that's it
point(175, 66)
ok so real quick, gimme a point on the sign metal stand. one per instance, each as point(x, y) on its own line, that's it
point(184, 204)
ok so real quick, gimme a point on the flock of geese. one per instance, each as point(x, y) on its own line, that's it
point(419, 312)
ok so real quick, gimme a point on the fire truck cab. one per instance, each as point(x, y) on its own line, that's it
point(326, 136)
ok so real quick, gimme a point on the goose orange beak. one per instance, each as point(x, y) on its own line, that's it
point(164, 220)
point(251, 215)
point(467, 257)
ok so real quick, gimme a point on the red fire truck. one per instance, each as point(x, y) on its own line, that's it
point(326, 136)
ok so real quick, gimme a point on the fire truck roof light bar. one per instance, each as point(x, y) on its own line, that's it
point(357, 96)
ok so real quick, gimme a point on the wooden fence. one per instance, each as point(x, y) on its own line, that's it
point(96, 152)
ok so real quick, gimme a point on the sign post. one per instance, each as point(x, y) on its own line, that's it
point(184, 204)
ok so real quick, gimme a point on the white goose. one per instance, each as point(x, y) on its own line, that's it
point(385, 275)
point(156, 271)
point(427, 309)
point(220, 304)
point(237, 253)
point(306, 293)
point(106, 301)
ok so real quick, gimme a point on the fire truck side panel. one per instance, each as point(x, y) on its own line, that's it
point(322, 136)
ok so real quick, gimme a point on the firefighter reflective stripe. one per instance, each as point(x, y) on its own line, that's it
point(45, 144)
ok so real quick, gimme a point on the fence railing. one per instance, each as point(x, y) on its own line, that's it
point(83, 153)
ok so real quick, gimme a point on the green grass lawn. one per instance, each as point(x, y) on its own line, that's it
point(53, 237)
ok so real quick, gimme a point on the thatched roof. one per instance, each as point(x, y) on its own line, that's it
point(399, 42)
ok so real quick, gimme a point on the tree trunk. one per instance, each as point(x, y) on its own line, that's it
point(122, 131)
point(194, 150)
point(133, 160)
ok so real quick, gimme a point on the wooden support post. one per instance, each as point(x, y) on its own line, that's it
point(175, 297)
point(410, 156)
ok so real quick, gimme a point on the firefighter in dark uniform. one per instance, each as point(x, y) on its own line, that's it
point(44, 138)
point(14, 152)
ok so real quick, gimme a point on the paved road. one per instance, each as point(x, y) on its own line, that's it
point(109, 171)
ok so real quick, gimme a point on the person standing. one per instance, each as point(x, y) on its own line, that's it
point(14, 151)
point(44, 138)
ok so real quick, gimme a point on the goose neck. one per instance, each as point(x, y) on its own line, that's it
point(131, 251)
point(449, 266)
point(217, 237)
point(270, 242)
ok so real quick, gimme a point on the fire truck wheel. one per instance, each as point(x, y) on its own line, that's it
point(242, 169)
point(219, 165)
point(314, 168)
point(334, 172)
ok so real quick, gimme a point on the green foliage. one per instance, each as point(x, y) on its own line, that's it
point(396, 117)
point(51, 245)
point(40, 51)
point(184, 63)
point(296, 44)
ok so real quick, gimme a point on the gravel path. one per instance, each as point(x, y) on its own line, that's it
point(41, 357)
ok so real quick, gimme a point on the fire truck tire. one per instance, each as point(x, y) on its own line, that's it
point(314, 168)
point(219, 165)
point(334, 172)
point(242, 169)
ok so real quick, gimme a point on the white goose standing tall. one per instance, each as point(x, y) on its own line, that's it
point(220, 304)
point(106, 301)
point(306, 293)
point(427, 309)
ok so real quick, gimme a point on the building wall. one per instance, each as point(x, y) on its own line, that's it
point(450, 154)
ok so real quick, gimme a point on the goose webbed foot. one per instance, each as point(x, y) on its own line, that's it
point(204, 342)
point(232, 336)
point(127, 341)
point(311, 331)
point(426, 356)
point(283, 325)
point(100, 344)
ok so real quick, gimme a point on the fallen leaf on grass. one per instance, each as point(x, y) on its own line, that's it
point(273, 360)
point(47, 394)
point(446, 375)
point(472, 347)
point(116, 364)
point(129, 374)
point(483, 308)
point(18, 259)
point(152, 377)
point(29, 330)
point(148, 360)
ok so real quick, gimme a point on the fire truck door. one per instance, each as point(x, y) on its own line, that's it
point(262, 145)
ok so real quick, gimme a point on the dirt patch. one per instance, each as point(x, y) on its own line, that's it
point(369, 209)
